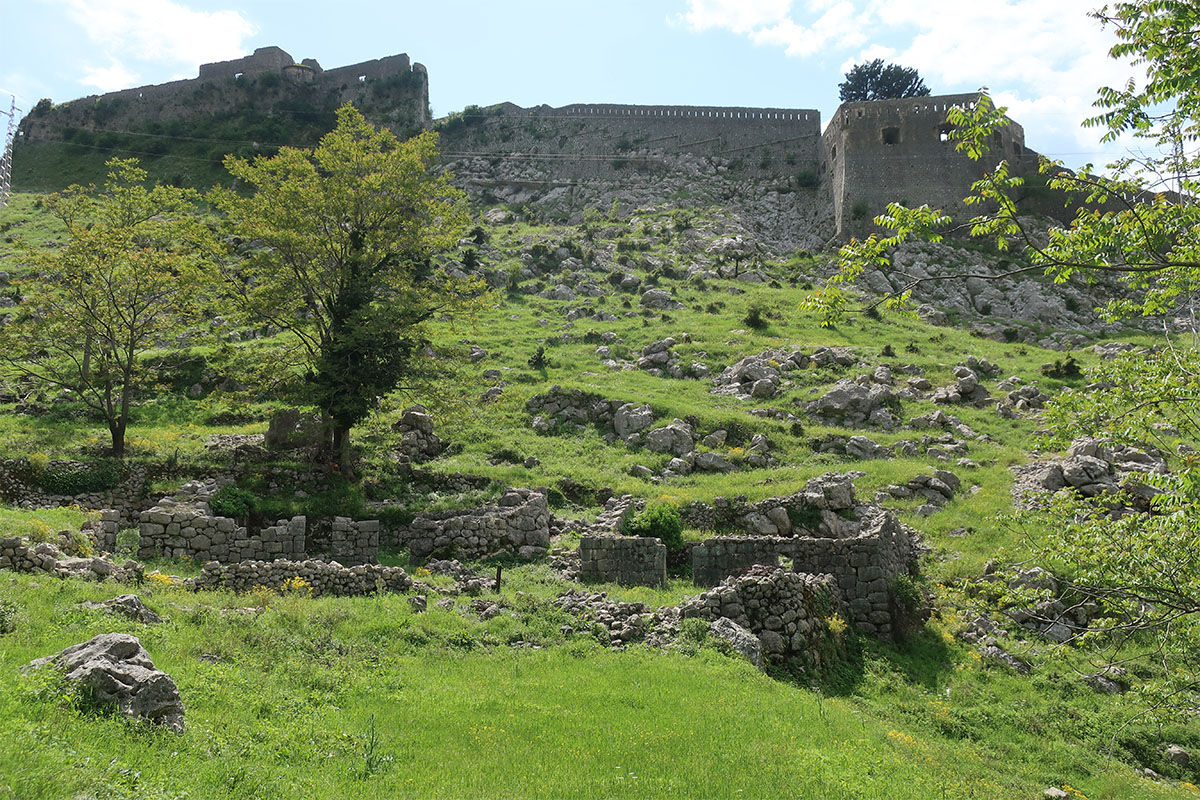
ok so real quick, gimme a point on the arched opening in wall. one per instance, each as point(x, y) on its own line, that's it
point(1017, 148)
point(833, 153)
point(891, 136)
point(944, 133)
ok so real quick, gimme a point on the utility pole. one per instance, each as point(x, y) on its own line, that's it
point(6, 158)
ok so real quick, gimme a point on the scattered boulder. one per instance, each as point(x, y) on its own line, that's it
point(116, 669)
point(852, 404)
point(660, 299)
point(739, 639)
point(126, 605)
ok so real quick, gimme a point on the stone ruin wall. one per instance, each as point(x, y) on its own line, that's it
point(864, 567)
point(216, 90)
point(519, 524)
point(189, 533)
point(788, 611)
point(128, 498)
point(627, 560)
point(760, 163)
point(323, 577)
point(637, 137)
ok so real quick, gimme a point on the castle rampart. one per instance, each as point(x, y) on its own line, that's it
point(266, 81)
point(882, 151)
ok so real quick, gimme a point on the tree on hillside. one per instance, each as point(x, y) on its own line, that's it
point(1141, 223)
point(347, 231)
point(93, 310)
point(876, 80)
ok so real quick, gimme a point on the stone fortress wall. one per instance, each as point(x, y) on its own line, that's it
point(584, 141)
point(882, 151)
point(826, 184)
point(869, 154)
point(218, 89)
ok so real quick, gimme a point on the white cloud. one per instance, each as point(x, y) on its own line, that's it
point(738, 16)
point(1045, 61)
point(773, 22)
point(155, 32)
point(109, 79)
point(837, 27)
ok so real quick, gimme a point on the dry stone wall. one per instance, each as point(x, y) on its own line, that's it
point(715, 559)
point(865, 565)
point(18, 487)
point(519, 524)
point(865, 568)
point(627, 560)
point(323, 577)
point(787, 611)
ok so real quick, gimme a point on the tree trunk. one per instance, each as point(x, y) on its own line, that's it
point(116, 429)
point(341, 451)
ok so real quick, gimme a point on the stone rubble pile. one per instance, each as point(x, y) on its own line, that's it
point(659, 360)
point(859, 448)
point(966, 390)
point(1095, 469)
point(947, 422)
point(787, 611)
point(129, 606)
point(762, 375)
point(418, 442)
point(618, 623)
point(855, 404)
point(936, 489)
point(1020, 396)
point(21, 555)
point(819, 509)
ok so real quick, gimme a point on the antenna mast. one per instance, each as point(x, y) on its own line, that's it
point(6, 158)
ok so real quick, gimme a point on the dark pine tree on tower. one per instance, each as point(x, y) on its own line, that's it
point(875, 80)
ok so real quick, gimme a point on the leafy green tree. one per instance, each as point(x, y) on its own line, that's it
point(344, 238)
point(93, 311)
point(876, 80)
point(1141, 223)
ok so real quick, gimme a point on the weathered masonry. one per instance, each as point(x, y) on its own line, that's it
point(878, 152)
point(269, 81)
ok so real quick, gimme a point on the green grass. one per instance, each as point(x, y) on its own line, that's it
point(287, 707)
point(280, 702)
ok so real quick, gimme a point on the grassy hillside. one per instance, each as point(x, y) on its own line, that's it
point(288, 695)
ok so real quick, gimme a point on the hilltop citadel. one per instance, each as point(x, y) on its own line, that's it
point(827, 183)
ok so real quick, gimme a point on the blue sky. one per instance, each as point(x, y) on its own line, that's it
point(1042, 58)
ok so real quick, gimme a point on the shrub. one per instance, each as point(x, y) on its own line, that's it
point(1065, 368)
point(539, 360)
point(807, 516)
point(73, 479)
point(660, 521)
point(38, 463)
point(230, 501)
point(8, 617)
point(754, 318)
point(129, 540)
point(887, 352)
